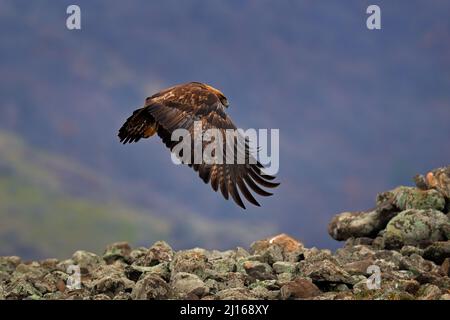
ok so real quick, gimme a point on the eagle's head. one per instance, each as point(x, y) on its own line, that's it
point(219, 95)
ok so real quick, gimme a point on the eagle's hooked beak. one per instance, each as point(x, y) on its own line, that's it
point(219, 94)
point(225, 102)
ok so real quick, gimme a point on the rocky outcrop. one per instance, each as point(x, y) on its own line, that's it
point(406, 216)
point(410, 222)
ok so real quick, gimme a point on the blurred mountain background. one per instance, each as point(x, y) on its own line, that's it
point(359, 112)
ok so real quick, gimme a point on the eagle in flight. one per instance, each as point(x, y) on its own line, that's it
point(179, 107)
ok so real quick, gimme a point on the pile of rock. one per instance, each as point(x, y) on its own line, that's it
point(399, 250)
point(269, 271)
point(275, 268)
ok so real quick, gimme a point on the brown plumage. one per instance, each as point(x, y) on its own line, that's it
point(179, 107)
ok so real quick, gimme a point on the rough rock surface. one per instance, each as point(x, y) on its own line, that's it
point(236, 274)
point(412, 223)
point(416, 227)
point(400, 250)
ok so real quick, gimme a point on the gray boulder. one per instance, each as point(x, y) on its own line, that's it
point(437, 252)
point(300, 288)
point(416, 227)
point(281, 247)
point(159, 252)
point(413, 198)
point(187, 284)
point(117, 251)
point(151, 287)
point(87, 261)
point(193, 261)
point(325, 271)
point(361, 224)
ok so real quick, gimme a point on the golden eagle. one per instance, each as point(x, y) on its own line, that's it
point(179, 107)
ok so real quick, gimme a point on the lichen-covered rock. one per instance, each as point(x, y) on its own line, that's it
point(394, 294)
point(300, 288)
point(2, 292)
point(429, 292)
point(122, 296)
point(351, 242)
point(262, 293)
point(49, 264)
point(29, 270)
point(284, 267)
point(334, 296)
point(359, 224)
point(434, 278)
point(222, 281)
point(112, 284)
point(222, 262)
point(325, 271)
point(391, 256)
point(159, 252)
point(408, 285)
point(409, 250)
point(87, 261)
point(64, 265)
point(258, 270)
point(271, 285)
point(117, 251)
point(389, 290)
point(236, 294)
point(438, 251)
point(355, 253)
point(358, 267)
point(417, 264)
point(101, 296)
point(22, 289)
point(135, 272)
point(413, 198)
point(78, 295)
point(360, 288)
point(56, 280)
point(445, 268)
point(151, 287)
point(4, 276)
point(278, 248)
point(138, 254)
point(315, 255)
point(378, 242)
point(9, 264)
point(285, 277)
point(187, 284)
point(193, 261)
point(240, 252)
point(416, 227)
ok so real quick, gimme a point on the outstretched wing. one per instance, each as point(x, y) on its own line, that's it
point(138, 125)
point(180, 107)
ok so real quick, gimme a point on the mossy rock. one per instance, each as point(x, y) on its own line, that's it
point(413, 198)
point(416, 227)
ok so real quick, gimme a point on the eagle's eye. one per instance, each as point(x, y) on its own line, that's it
point(224, 101)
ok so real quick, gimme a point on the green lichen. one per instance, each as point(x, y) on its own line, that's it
point(413, 198)
point(413, 227)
